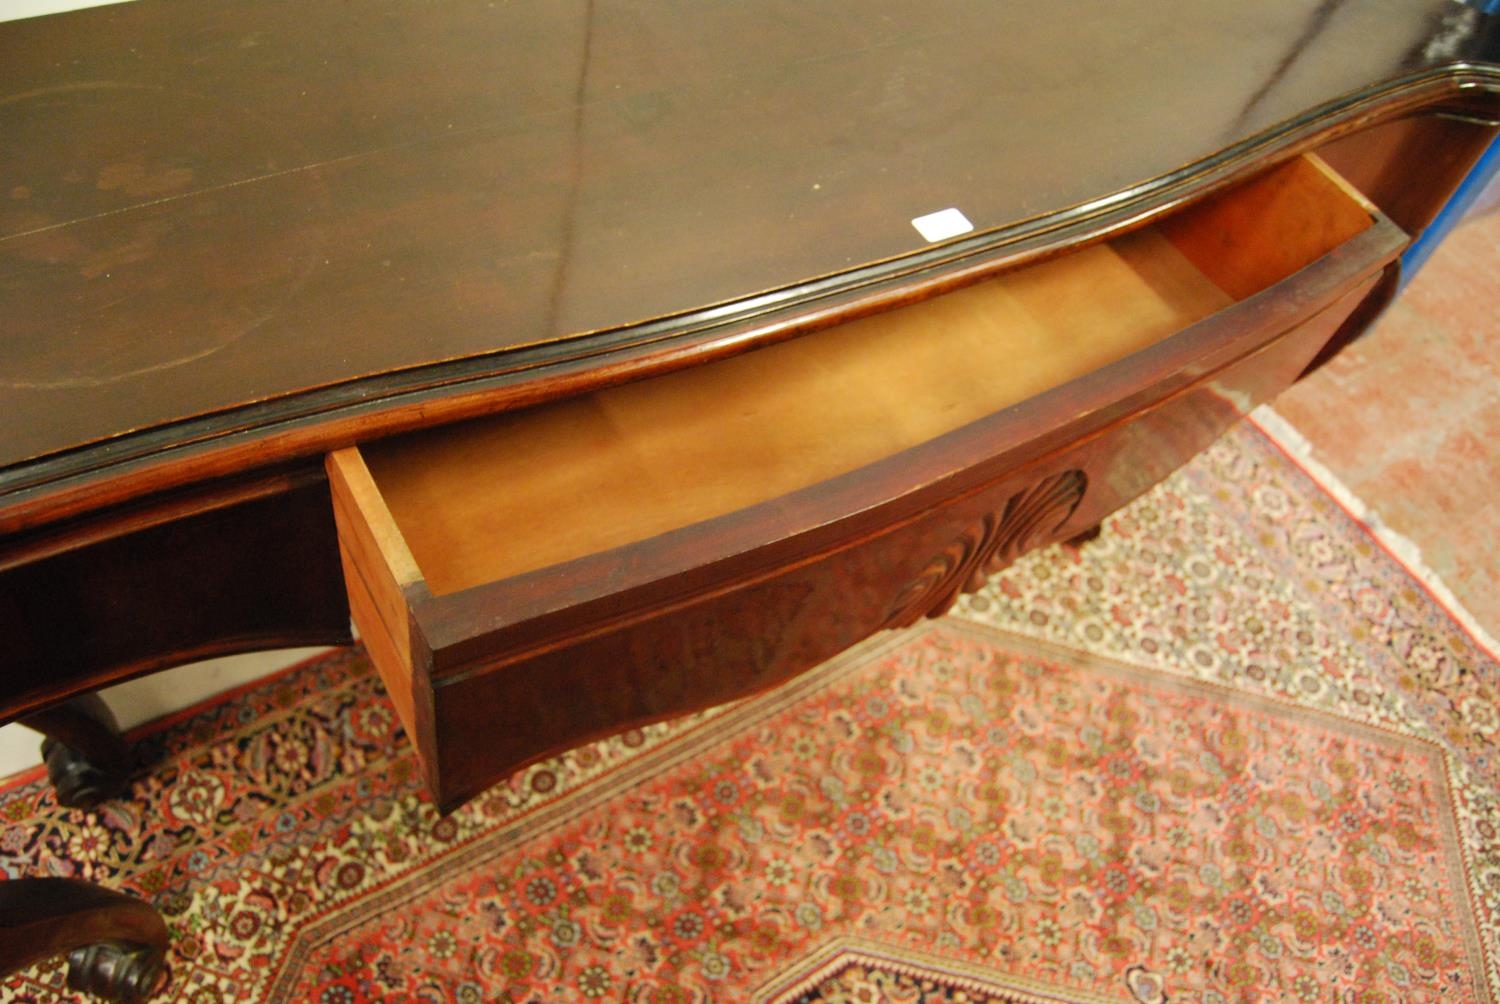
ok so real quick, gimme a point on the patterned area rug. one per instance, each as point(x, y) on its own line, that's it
point(1229, 751)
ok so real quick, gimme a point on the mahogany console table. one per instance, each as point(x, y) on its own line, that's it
point(442, 315)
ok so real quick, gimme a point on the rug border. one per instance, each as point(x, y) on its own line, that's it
point(1298, 451)
point(830, 956)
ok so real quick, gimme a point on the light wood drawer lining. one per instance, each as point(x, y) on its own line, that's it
point(494, 498)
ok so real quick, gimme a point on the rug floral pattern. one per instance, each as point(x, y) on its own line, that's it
point(1270, 779)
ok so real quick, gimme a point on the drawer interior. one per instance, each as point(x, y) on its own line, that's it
point(496, 497)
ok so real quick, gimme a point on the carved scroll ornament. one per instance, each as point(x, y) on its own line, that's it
point(1030, 518)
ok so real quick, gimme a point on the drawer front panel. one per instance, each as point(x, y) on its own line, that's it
point(491, 717)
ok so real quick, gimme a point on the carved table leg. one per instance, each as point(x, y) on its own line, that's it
point(116, 945)
point(87, 761)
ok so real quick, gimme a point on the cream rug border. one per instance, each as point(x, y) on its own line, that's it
point(1406, 551)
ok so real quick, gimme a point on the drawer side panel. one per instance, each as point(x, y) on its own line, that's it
point(378, 573)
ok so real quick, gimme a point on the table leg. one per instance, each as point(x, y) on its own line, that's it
point(116, 944)
point(87, 760)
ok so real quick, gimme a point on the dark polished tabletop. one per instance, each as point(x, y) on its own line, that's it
point(207, 208)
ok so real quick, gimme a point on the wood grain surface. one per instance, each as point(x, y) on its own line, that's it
point(249, 227)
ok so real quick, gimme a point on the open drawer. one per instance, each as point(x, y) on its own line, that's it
point(533, 580)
